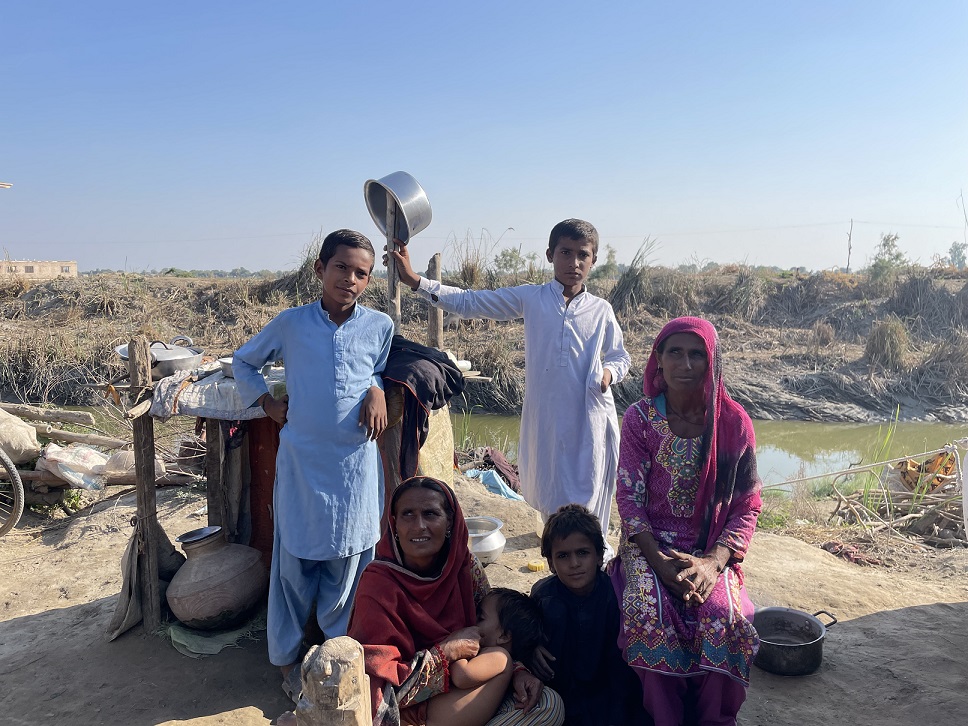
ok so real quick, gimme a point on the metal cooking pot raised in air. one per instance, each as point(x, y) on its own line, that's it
point(413, 207)
point(169, 358)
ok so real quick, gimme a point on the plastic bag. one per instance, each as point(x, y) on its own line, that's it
point(121, 463)
point(82, 466)
point(18, 438)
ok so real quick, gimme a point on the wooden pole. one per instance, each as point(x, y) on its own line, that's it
point(139, 368)
point(108, 442)
point(850, 234)
point(393, 279)
point(50, 479)
point(56, 415)
point(214, 483)
point(435, 316)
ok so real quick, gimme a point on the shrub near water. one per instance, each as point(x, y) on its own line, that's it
point(924, 303)
point(822, 335)
point(888, 344)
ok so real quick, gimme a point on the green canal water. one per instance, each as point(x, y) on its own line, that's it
point(785, 450)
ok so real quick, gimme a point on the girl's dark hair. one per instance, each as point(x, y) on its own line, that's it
point(423, 482)
point(346, 238)
point(520, 617)
point(567, 520)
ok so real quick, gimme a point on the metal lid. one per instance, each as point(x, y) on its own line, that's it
point(196, 535)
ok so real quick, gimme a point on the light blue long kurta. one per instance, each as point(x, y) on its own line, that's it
point(328, 495)
point(568, 452)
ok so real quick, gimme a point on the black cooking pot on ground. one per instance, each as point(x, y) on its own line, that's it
point(791, 641)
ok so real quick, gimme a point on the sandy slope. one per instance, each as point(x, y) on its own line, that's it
point(896, 655)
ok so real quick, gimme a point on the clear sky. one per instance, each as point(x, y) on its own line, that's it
point(225, 134)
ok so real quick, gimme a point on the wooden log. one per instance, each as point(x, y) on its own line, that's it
point(435, 316)
point(214, 482)
point(393, 277)
point(70, 437)
point(139, 368)
point(57, 415)
point(50, 479)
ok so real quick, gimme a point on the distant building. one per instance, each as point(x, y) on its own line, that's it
point(38, 269)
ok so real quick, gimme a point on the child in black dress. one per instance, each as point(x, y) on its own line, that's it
point(582, 661)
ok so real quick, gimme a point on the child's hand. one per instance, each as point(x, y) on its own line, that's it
point(276, 408)
point(541, 663)
point(606, 380)
point(404, 269)
point(373, 413)
point(527, 690)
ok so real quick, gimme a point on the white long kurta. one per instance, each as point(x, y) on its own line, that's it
point(568, 452)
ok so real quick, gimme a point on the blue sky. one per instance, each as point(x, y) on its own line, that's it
point(225, 134)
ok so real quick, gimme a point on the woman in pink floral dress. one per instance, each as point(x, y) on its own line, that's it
point(688, 495)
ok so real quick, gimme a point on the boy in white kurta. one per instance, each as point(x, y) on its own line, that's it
point(573, 351)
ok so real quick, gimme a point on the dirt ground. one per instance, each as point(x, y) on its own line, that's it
point(896, 655)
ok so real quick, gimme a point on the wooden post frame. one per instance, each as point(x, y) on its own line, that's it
point(393, 278)
point(139, 368)
point(435, 316)
point(214, 481)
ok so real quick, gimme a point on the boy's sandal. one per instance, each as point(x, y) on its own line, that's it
point(292, 684)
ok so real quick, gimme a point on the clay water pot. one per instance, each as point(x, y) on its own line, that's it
point(219, 584)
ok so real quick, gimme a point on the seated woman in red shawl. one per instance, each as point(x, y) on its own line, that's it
point(415, 613)
point(688, 495)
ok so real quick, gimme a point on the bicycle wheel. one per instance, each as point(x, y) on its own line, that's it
point(11, 496)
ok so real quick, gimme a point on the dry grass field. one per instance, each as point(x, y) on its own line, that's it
point(824, 346)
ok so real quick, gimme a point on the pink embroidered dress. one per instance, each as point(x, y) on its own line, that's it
point(689, 494)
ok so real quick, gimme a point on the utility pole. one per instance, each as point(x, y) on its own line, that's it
point(849, 235)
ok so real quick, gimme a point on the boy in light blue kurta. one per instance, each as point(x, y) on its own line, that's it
point(328, 495)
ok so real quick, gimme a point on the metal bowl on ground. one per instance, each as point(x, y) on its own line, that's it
point(791, 641)
point(486, 538)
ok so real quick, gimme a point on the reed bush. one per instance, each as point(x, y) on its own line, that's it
point(923, 303)
point(961, 306)
point(888, 344)
point(797, 300)
point(470, 258)
point(633, 287)
point(821, 336)
point(673, 293)
point(747, 296)
point(941, 377)
point(13, 287)
point(490, 353)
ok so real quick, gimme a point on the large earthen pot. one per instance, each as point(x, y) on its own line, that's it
point(219, 584)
